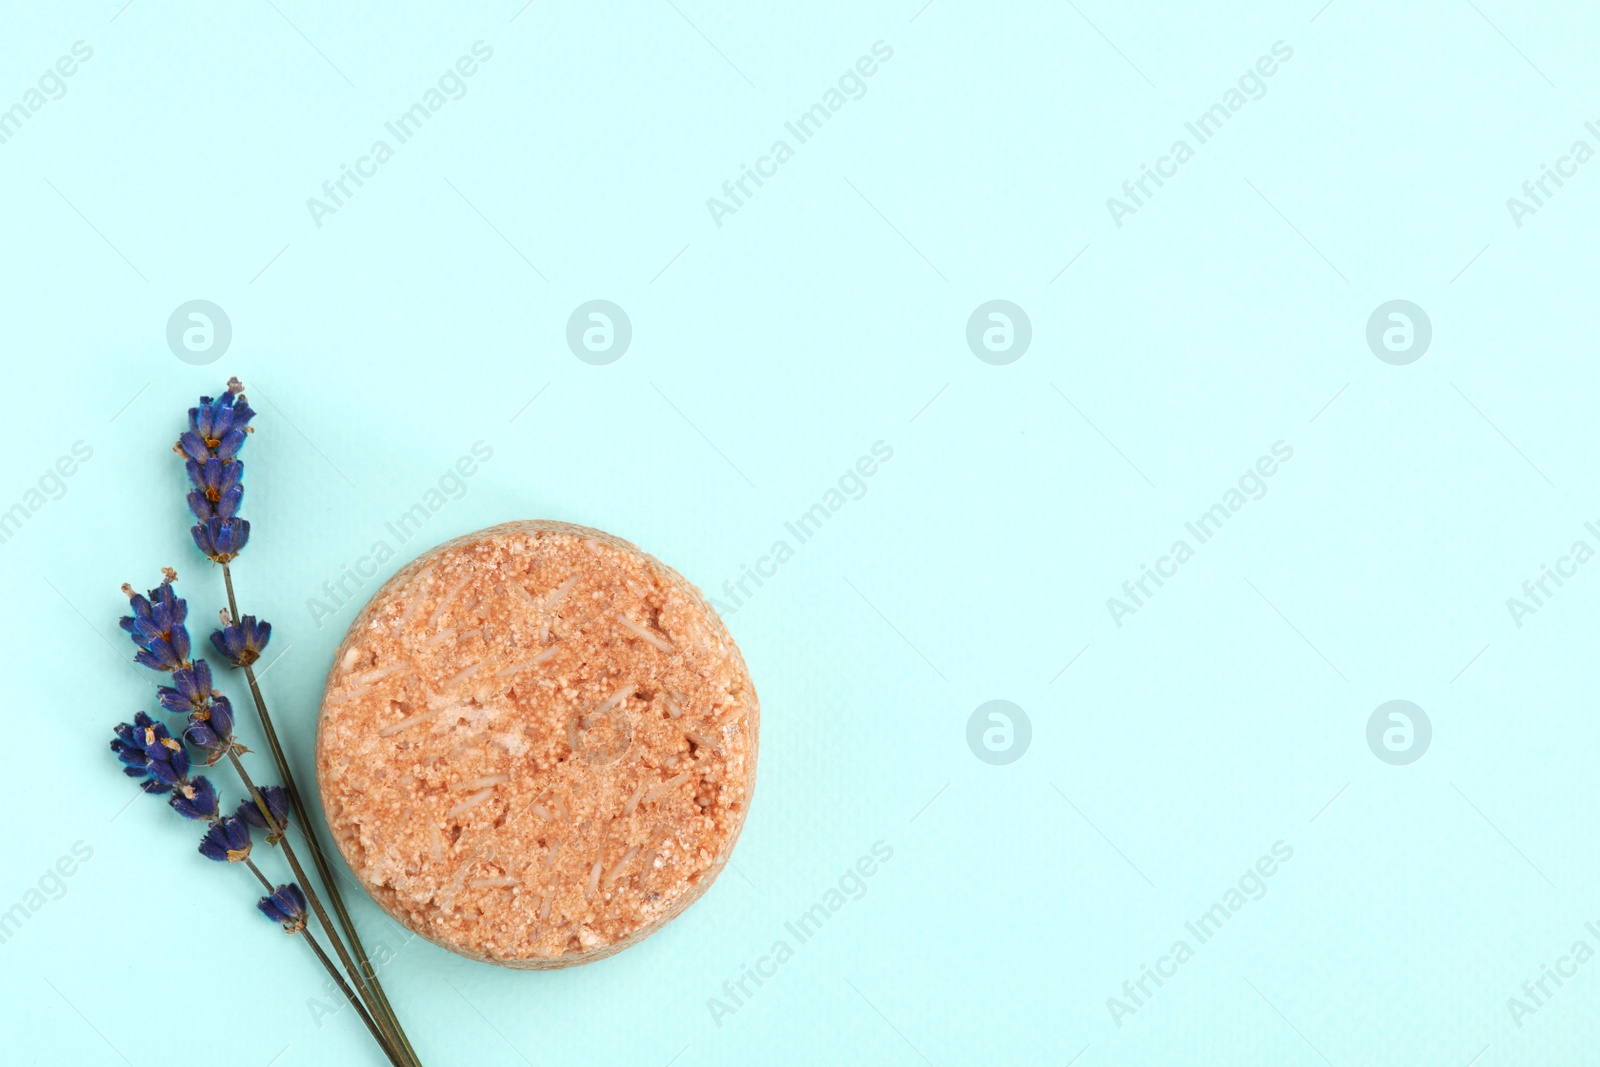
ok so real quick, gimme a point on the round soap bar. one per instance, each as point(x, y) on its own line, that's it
point(537, 745)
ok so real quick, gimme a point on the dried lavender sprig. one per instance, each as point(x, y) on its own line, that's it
point(217, 431)
point(210, 447)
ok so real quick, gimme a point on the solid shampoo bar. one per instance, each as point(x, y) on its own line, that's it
point(537, 745)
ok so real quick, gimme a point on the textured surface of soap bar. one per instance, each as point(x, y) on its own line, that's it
point(537, 745)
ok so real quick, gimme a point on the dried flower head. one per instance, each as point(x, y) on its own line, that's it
point(213, 480)
point(156, 625)
point(225, 503)
point(164, 754)
point(210, 714)
point(216, 433)
point(190, 688)
point(227, 841)
point(217, 427)
point(286, 905)
point(211, 728)
point(130, 746)
point(195, 798)
point(221, 539)
point(242, 642)
point(277, 799)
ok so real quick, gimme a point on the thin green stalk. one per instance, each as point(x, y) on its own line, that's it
point(372, 1027)
point(385, 1011)
point(263, 879)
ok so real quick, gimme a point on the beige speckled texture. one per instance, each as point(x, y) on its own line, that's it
point(537, 745)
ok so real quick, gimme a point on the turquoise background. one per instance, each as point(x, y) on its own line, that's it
point(829, 312)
